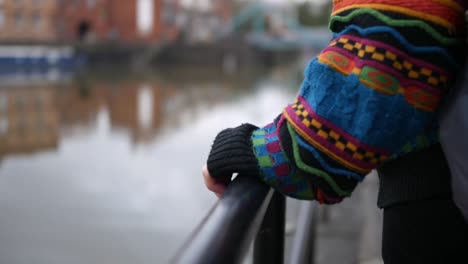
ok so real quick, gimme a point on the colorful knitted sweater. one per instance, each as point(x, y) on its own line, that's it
point(369, 97)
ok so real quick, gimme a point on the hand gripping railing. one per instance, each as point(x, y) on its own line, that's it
point(248, 209)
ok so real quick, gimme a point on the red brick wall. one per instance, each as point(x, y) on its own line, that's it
point(75, 12)
point(27, 21)
point(109, 17)
point(109, 20)
point(124, 18)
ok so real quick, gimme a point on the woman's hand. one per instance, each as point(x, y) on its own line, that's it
point(231, 153)
point(217, 186)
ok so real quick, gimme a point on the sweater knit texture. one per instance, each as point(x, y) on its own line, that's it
point(232, 152)
point(369, 97)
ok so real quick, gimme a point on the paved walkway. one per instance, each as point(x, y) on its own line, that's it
point(351, 231)
point(347, 233)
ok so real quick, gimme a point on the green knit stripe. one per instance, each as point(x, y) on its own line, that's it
point(259, 132)
point(420, 142)
point(306, 194)
point(395, 23)
point(300, 164)
point(258, 141)
point(264, 161)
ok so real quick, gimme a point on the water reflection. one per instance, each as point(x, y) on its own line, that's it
point(106, 170)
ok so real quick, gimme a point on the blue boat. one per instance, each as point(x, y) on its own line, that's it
point(37, 59)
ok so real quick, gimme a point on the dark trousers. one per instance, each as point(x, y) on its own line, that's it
point(427, 231)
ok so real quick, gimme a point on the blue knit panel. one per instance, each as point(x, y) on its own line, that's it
point(375, 119)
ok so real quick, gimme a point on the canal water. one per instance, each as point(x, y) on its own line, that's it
point(105, 168)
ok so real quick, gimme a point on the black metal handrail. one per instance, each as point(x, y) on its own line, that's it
point(225, 235)
point(248, 209)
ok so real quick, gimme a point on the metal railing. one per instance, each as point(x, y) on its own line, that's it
point(249, 211)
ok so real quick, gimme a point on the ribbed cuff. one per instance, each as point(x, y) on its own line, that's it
point(232, 152)
point(416, 176)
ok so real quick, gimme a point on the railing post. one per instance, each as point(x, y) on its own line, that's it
point(303, 244)
point(269, 242)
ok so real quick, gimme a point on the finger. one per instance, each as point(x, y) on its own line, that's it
point(211, 183)
point(205, 171)
point(222, 180)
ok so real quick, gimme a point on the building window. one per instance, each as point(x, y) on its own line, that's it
point(2, 18)
point(19, 20)
point(40, 124)
point(91, 3)
point(3, 103)
point(21, 128)
point(20, 103)
point(38, 3)
point(145, 16)
point(37, 21)
point(39, 102)
point(3, 125)
point(168, 14)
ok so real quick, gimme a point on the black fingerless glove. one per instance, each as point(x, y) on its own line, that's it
point(232, 152)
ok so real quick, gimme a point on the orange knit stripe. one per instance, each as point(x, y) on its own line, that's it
point(440, 12)
point(451, 23)
point(452, 4)
point(316, 144)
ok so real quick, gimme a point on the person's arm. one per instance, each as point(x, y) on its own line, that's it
point(369, 97)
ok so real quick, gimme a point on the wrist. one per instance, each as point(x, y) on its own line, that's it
point(272, 161)
point(232, 152)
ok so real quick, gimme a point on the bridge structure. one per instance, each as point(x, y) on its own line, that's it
point(260, 34)
point(276, 28)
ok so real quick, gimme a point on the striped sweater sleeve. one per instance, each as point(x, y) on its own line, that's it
point(369, 97)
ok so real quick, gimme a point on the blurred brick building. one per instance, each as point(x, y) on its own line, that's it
point(93, 21)
point(29, 119)
point(138, 108)
point(127, 21)
point(23, 21)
